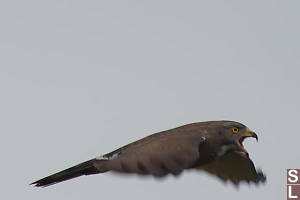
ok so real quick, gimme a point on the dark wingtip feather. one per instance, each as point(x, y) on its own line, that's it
point(84, 168)
point(44, 182)
point(261, 176)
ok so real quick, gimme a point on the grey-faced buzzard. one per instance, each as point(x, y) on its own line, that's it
point(215, 147)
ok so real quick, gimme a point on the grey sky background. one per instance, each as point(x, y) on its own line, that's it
point(81, 78)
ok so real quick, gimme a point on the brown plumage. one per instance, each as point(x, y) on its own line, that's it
point(215, 147)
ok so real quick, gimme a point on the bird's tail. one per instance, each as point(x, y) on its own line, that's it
point(85, 168)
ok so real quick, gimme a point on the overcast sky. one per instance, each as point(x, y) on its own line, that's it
point(82, 78)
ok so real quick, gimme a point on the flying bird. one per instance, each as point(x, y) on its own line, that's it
point(214, 146)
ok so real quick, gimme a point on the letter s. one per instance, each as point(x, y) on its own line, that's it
point(293, 177)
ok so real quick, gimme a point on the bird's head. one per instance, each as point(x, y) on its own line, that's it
point(238, 132)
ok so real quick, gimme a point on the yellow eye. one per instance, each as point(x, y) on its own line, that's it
point(235, 130)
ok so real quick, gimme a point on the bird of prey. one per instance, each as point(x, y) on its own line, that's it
point(214, 146)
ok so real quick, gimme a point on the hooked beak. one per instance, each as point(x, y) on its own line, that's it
point(252, 134)
point(249, 133)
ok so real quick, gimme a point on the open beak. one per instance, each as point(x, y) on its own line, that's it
point(252, 134)
point(249, 133)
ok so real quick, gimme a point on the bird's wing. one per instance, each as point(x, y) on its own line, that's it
point(85, 168)
point(158, 155)
point(235, 167)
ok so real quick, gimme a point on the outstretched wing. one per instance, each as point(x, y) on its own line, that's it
point(235, 167)
point(157, 155)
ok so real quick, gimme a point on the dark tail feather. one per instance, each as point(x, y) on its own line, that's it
point(85, 168)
